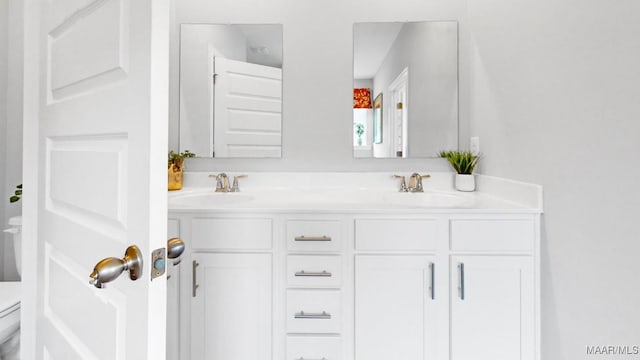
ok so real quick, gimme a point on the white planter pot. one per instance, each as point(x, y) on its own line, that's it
point(465, 182)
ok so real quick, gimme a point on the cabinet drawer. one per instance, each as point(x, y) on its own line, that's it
point(233, 234)
point(314, 311)
point(314, 235)
point(396, 234)
point(314, 348)
point(492, 235)
point(314, 271)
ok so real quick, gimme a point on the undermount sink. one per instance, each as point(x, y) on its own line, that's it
point(426, 199)
point(199, 199)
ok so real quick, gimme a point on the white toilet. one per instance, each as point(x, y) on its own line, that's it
point(10, 300)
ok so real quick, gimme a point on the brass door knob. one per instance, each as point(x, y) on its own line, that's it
point(107, 270)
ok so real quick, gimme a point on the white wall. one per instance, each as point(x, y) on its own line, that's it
point(11, 147)
point(556, 101)
point(317, 76)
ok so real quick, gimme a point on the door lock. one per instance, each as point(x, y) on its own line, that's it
point(107, 270)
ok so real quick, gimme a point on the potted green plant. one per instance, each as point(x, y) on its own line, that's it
point(17, 194)
point(176, 168)
point(359, 132)
point(463, 162)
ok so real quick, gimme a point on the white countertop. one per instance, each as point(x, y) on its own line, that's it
point(353, 192)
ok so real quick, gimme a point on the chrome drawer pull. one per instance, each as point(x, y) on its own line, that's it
point(461, 280)
point(302, 358)
point(324, 273)
point(313, 238)
point(194, 283)
point(302, 315)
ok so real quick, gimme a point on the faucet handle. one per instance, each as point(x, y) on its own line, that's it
point(403, 183)
point(235, 187)
point(415, 182)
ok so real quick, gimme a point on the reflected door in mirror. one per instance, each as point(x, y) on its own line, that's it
point(231, 90)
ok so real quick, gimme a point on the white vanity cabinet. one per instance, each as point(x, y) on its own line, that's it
point(446, 287)
point(493, 288)
point(395, 307)
point(345, 285)
point(232, 307)
point(492, 308)
point(227, 287)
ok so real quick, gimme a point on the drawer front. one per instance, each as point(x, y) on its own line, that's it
point(314, 348)
point(314, 271)
point(492, 235)
point(396, 234)
point(232, 234)
point(314, 235)
point(314, 312)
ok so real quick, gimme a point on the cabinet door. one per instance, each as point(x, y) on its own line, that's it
point(394, 307)
point(492, 314)
point(231, 308)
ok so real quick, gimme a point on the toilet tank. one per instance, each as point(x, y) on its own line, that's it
point(15, 230)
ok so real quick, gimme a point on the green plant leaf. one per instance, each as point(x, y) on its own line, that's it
point(14, 199)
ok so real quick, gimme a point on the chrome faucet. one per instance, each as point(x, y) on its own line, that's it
point(222, 182)
point(415, 182)
point(403, 183)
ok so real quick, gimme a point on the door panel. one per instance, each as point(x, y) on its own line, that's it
point(394, 312)
point(231, 312)
point(101, 175)
point(248, 109)
point(493, 319)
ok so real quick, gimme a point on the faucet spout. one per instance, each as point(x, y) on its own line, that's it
point(222, 182)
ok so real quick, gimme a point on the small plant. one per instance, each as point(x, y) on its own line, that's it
point(359, 132)
point(176, 160)
point(17, 194)
point(463, 162)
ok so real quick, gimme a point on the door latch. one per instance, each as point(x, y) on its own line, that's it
point(158, 263)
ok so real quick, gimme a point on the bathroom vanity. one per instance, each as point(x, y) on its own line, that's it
point(344, 266)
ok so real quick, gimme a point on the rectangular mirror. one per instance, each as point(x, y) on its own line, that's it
point(405, 89)
point(231, 90)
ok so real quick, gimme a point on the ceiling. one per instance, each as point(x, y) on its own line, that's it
point(371, 43)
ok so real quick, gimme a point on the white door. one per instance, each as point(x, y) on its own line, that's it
point(492, 308)
point(248, 109)
point(100, 184)
point(231, 307)
point(395, 307)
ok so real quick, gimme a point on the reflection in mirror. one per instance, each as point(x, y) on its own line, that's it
point(410, 70)
point(231, 90)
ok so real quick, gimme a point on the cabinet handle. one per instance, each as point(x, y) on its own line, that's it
point(461, 280)
point(194, 284)
point(313, 238)
point(433, 280)
point(303, 315)
point(323, 273)
point(303, 358)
